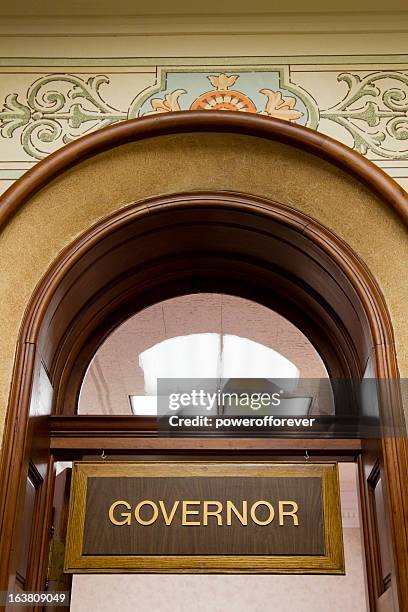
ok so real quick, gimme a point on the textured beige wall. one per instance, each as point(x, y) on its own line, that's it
point(110, 181)
point(180, 593)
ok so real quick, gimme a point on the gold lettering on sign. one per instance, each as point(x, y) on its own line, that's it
point(216, 513)
point(127, 515)
point(168, 518)
point(292, 513)
point(187, 512)
point(231, 508)
point(271, 512)
point(204, 510)
point(155, 514)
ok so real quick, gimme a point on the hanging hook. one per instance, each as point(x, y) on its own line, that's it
point(307, 456)
point(103, 455)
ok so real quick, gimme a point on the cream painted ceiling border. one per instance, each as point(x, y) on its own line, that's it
point(59, 64)
point(336, 22)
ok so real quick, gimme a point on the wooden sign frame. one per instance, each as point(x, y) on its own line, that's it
point(332, 562)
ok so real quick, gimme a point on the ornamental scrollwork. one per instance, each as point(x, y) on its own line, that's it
point(57, 110)
point(374, 112)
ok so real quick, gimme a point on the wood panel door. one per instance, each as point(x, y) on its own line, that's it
point(381, 576)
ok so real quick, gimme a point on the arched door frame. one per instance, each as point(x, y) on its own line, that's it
point(16, 447)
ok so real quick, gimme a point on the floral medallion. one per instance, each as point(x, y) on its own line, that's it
point(224, 98)
point(256, 90)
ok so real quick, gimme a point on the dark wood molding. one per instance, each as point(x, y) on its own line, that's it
point(80, 445)
point(62, 426)
point(370, 542)
point(88, 433)
point(204, 121)
point(251, 230)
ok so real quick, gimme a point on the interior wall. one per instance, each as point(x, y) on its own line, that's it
point(167, 593)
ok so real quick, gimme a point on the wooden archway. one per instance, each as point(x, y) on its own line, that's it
point(189, 242)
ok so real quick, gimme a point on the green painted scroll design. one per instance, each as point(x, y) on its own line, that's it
point(54, 114)
point(60, 108)
point(374, 112)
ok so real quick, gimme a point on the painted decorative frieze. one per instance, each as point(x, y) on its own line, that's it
point(369, 114)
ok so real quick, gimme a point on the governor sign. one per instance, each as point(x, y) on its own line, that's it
point(211, 517)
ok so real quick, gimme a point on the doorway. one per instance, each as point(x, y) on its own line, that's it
point(188, 336)
point(196, 242)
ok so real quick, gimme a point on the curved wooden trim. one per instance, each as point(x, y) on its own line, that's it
point(180, 122)
point(267, 210)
